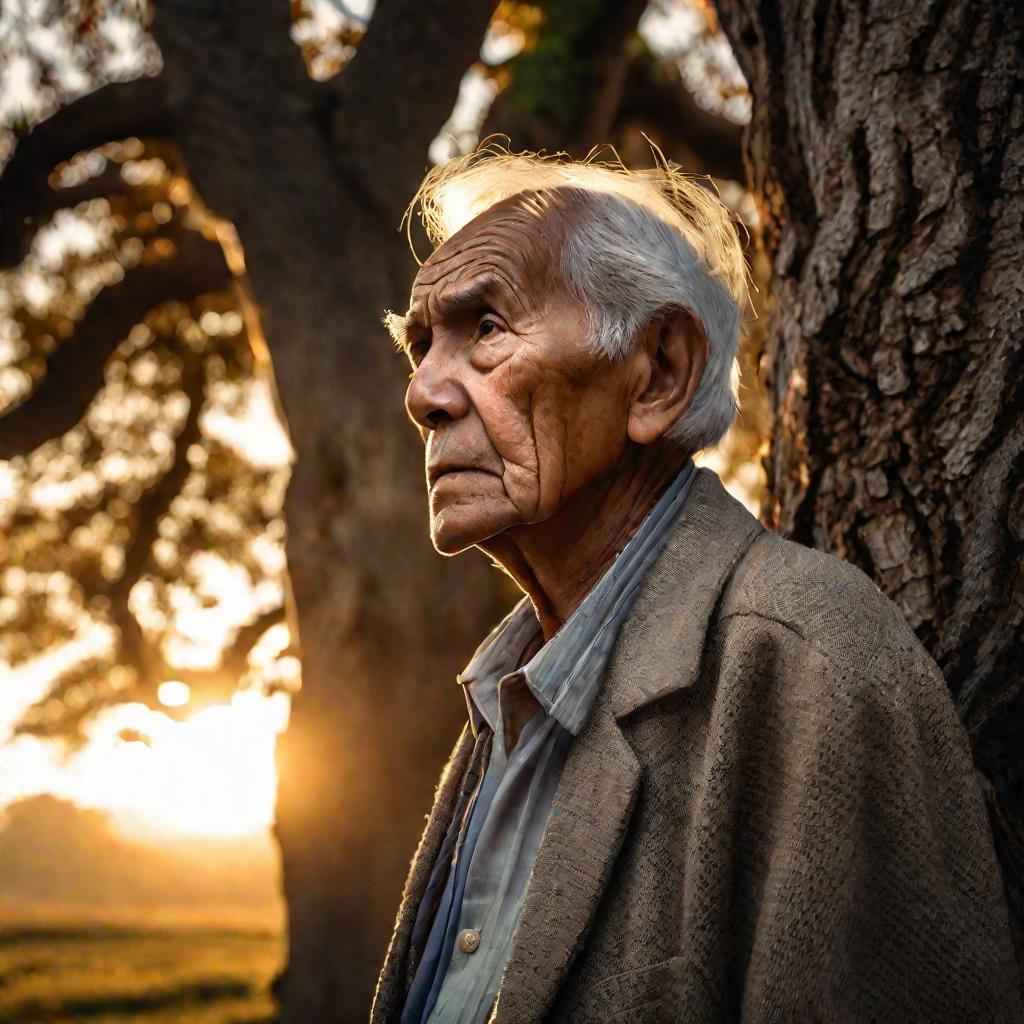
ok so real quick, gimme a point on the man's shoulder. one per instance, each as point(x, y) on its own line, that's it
point(823, 602)
point(728, 596)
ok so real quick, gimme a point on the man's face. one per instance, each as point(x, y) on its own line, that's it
point(516, 411)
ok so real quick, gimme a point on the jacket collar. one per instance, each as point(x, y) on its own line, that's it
point(658, 652)
point(661, 644)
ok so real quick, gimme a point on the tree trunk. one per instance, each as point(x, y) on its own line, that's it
point(315, 182)
point(887, 152)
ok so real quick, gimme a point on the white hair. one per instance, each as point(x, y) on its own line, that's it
point(647, 242)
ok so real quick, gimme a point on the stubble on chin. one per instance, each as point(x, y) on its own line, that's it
point(457, 526)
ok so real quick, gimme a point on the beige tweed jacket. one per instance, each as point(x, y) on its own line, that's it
point(771, 815)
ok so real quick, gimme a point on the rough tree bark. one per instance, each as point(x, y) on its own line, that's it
point(887, 151)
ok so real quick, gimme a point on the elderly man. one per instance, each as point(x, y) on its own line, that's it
point(707, 774)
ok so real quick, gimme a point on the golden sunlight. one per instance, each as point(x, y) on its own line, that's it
point(212, 775)
point(173, 694)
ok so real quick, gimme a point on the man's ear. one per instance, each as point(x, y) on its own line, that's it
point(672, 354)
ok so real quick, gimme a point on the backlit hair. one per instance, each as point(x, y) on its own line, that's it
point(646, 242)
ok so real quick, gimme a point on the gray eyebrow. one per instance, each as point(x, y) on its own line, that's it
point(470, 296)
point(400, 327)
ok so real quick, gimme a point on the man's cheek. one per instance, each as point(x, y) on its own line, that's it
point(516, 384)
point(511, 434)
point(522, 486)
point(550, 427)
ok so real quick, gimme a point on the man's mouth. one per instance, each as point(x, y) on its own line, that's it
point(434, 475)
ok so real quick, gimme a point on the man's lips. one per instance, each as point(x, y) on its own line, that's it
point(435, 473)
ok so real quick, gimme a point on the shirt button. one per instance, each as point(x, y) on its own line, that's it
point(469, 940)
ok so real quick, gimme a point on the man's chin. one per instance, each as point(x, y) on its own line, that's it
point(453, 534)
point(448, 548)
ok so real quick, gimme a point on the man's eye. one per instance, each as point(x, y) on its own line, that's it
point(487, 327)
point(418, 351)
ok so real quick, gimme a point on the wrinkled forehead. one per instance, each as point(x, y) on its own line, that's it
point(517, 241)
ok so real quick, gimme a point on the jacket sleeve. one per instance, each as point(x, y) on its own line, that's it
point(874, 893)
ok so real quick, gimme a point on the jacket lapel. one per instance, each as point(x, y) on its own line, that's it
point(591, 810)
point(660, 646)
point(658, 651)
point(392, 984)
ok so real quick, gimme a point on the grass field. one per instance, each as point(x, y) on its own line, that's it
point(183, 971)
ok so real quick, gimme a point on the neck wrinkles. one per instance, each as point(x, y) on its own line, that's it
point(557, 562)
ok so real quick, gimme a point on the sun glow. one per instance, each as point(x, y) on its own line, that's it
point(211, 775)
point(173, 694)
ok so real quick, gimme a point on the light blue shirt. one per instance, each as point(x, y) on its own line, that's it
point(482, 870)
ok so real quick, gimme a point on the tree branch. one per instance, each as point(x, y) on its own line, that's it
point(400, 88)
point(74, 373)
point(210, 46)
point(38, 720)
point(156, 502)
point(109, 182)
point(209, 685)
point(114, 111)
point(656, 97)
point(606, 93)
point(133, 649)
point(565, 92)
point(605, 52)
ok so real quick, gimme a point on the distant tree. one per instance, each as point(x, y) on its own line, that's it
point(43, 845)
point(54, 852)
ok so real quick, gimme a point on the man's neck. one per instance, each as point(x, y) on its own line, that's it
point(558, 561)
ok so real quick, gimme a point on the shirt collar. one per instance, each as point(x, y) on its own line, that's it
point(565, 674)
point(495, 658)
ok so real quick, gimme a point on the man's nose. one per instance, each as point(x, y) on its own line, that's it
point(434, 395)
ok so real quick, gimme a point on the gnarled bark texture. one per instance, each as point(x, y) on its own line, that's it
point(887, 150)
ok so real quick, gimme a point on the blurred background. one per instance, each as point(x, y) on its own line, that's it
point(200, 232)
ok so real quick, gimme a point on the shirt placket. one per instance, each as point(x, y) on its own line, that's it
point(468, 937)
point(516, 706)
